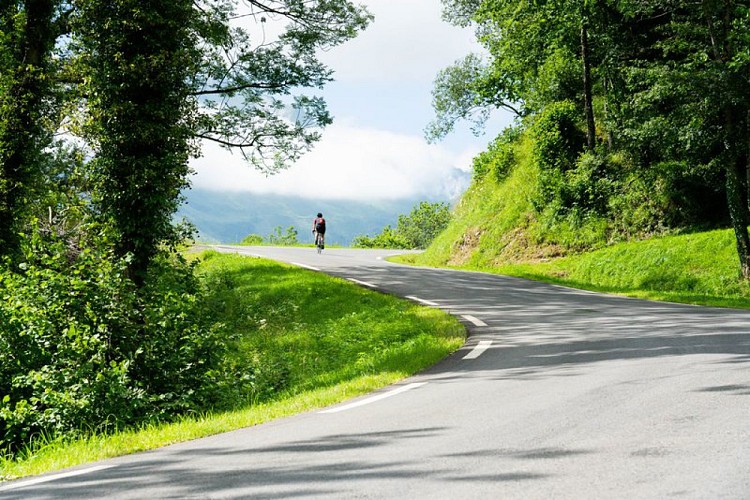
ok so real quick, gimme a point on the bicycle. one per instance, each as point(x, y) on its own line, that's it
point(319, 241)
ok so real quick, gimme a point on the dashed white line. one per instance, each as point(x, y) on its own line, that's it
point(422, 301)
point(311, 268)
point(373, 399)
point(363, 283)
point(53, 477)
point(474, 320)
point(482, 346)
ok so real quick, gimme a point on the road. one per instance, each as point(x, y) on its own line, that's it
point(558, 393)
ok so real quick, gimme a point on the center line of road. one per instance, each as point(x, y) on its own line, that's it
point(372, 399)
point(53, 477)
point(363, 283)
point(311, 268)
point(482, 346)
point(422, 301)
point(473, 319)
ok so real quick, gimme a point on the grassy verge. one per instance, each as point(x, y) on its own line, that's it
point(305, 341)
point(699, 268)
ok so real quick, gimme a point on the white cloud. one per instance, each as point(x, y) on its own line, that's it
point(348, 163)
point(407, 41)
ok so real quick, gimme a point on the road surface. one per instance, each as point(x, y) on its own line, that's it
point(558, 393)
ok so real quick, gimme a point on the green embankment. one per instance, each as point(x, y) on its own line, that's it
point(305, 341)
point(495, 229)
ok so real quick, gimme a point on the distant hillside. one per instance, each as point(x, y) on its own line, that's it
point(227, 217)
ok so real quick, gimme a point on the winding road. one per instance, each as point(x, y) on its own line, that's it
point(558, 393)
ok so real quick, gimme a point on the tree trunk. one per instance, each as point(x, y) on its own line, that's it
point(587, 93)
point(19, 117)
point(739, 211)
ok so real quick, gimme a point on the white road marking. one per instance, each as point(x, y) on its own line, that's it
point(476, 321)
point(373, 399)
point(54, 477)
point(482, 346)
point(311, 268)
point(363, 283)
point(422, 301)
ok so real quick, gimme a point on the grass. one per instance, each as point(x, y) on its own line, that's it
point(698, 268)
point(306, 341)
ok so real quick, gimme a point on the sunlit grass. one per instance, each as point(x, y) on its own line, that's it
point(311, 339)
point(698, 268)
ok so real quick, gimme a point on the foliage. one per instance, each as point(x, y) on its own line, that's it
point(252, 239)
point(257, 59)
point(557, 144)
point(289, 238)
point(136, 63)
point(499, 158)
point(27, 37)
point(83, 351)
point(424, 222)
point(387, 238)
point(660, 89)
point(416, 230)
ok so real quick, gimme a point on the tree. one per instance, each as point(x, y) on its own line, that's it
point(415, 230)
point(690, 97)
point(162, 76)
point(249, 82)
point(27, 36)
point(425, 221)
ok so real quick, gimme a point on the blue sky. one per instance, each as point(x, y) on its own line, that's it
point(381, 103)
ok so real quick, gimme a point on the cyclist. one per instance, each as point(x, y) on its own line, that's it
point(319, 230)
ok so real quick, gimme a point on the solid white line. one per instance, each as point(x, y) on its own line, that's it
point(373, 399)
point(422, 301)
point(311, 268)
point(363, 283)
point(54, 477)
point(482, 346)
point(476, 321)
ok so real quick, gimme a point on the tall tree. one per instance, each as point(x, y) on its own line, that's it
point(691, 94)
point(163, 75)
point(27, 36)
point(139, 58)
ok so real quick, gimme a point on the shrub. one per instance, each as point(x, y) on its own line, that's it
point(388, 238)
point(82, 349)
point(499, 158)
point(284, 239)
point(557, 144)
point(252, 239)
point(416, 230)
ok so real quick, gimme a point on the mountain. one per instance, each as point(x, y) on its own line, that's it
point(227, 217)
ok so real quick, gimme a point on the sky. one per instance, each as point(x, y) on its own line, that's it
point(381, 103)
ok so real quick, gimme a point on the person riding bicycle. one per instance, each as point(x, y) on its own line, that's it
point(319, 230)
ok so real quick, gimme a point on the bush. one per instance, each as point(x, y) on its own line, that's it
point(81, 349)
point(252, 239)
point(557, 144)
point(283, 239)
point(388, 238)
point(499, 158)
point(416, 230)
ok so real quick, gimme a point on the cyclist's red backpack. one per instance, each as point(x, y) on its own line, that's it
point(320, 225)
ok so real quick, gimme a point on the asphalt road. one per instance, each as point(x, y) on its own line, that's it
point(558, 393)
